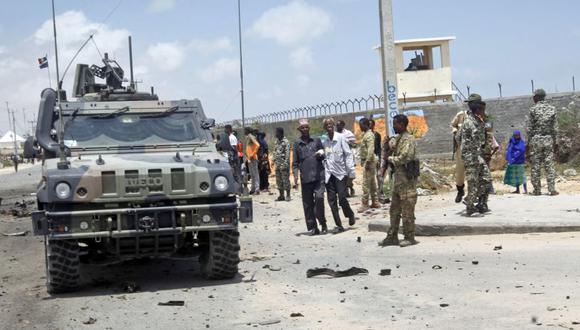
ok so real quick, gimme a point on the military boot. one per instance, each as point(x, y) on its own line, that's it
point(460, 194)
point(471, 210)
point(375, 204)
point(390, 240)
point(288, 195)
point(408, 241)
point(482, 205)
point(281, 197)
point(364, 206)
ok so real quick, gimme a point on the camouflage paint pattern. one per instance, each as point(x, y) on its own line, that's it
point(542, 127)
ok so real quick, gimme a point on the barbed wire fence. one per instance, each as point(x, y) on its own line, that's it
point(368, 103)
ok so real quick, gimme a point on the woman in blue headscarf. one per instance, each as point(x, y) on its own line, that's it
point(515, 174)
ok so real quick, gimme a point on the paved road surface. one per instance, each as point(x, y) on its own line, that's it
point(531, 283)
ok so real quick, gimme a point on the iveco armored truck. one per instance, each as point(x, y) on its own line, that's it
point(126, 175)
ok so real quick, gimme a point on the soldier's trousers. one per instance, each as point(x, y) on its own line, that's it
point(255, 175)
point(283, 179)
point(337, 188)
point(403, 208)
point(459, 168)
point(313, 203)
point(370, 184)
point(478, 181)
point(380, 182)
point(543, 154)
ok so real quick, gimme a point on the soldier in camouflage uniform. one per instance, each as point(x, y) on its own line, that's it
point(282, 162)
point(369, 163)
point(542, 128)
point(404, 196)
point(477, 172)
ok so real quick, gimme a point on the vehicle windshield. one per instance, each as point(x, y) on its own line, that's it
point(125, 129)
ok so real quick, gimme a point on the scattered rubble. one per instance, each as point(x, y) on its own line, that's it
point(296, 315)
point(385, 272)
point(172, 303)
point(570, 172)
point(20, 233)
point(336, 273)
point(91, 320)
point(271, 268)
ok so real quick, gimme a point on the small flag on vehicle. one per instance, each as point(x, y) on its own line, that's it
point(43, 62)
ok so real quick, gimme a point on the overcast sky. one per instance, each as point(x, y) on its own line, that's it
point(297, 52)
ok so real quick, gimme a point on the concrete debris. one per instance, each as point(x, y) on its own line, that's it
point(570, 172)
point(91, 320)
point(270, 322)
point(274, 269)
point(497, 248)
point(172, 303)
point(436, 267)
point(336, 273)
point(424, 192)
point(296, 315)
point(385, 272)
point(20, 233)
point(444, 305)
point(475, 262)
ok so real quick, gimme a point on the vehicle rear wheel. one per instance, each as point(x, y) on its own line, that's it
point(221, 257)
point(63, 265)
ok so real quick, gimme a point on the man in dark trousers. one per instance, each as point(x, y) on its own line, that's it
point(307, 164)
point(338, 167)
point(378, 151)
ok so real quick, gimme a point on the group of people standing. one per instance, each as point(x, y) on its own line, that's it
point(475, 144)
point(326, 165)
point(254, 152)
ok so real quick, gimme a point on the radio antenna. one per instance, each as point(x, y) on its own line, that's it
point(62, 164)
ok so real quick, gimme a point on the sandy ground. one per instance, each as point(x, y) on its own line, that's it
point(532, 282)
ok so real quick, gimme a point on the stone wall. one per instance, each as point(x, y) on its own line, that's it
point(509, 114)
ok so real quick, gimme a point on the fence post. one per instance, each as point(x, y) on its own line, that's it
point(573, 84)
point(468, 90)
point(533, 86)
point(499, 85)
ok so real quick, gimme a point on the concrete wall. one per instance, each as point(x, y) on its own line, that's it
point(508, 114)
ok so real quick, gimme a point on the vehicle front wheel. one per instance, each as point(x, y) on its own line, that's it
point(63, 265)
point(221, 256)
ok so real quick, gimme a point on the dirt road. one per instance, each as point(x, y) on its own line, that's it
point(532, 282)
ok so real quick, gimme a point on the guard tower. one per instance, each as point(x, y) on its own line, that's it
point(424, 70)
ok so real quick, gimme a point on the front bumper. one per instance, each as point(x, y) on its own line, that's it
point(146, 221)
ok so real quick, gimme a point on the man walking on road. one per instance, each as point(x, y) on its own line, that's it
point(477, 172)
point(282, 163)
point(369, 163)
point(542, 129)
point(404, 197)
point(351, 140)
point(339, 166)
point(252, 148)
point(307, 163)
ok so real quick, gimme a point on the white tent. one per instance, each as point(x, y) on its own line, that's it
point(7, 141)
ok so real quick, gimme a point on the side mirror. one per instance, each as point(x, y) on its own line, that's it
point(29, 151)
point(208, 123)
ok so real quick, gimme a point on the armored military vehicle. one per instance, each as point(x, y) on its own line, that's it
point(126, 175)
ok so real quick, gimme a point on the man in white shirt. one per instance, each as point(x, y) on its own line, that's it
point(339, 167)
point(234, 160)
point(351, 140)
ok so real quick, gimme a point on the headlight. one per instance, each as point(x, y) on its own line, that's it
point(221, 183)
point(62, 190)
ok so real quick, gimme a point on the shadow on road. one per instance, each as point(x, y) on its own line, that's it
point(144, 275)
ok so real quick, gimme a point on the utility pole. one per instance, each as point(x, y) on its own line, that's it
point(11, 113)
point(389, 67)
point(241, 63)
